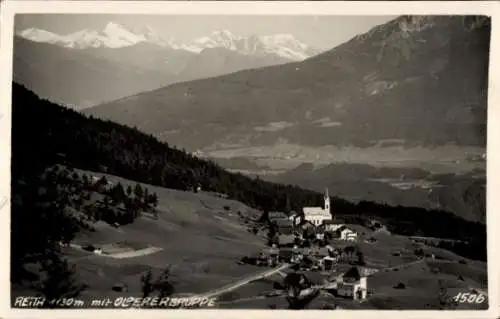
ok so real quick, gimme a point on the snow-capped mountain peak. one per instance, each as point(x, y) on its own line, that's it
point(115, 35)
point(39, 35)
point(119, 34)
point(283, 45)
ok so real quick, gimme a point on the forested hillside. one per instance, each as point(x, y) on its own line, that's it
point(45, 133)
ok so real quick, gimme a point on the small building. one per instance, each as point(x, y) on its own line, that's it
point(290, 255)
point(286, 240)
point(284, 226)
point(295, 217)
point(332, 225)
point(272, 216)
point(344, 233)
point(328, 263)
point(272, 255)
point(353, 284)
point(307, 225)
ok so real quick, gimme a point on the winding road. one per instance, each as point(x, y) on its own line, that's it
point(243, 281)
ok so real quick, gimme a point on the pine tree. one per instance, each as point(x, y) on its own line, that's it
point(138, 191)
point(58, 281)
point(147, 283)
point(163, 284)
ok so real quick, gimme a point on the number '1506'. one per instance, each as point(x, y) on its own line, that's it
point(466, 297)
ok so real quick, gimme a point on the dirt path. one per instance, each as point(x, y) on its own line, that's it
point(127, 254)
point(244, 281)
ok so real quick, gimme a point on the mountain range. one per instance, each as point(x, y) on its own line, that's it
point(382, 86)
point(108, 64)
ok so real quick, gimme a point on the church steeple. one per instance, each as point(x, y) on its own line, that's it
point(327, 201)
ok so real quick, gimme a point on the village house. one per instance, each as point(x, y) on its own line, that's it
point(307, 225)
point(344, 233)
point(272, 255)
point(286, 240)
point(290, 255)
point(284, 226)
point(353, 284)
point(328, 263)
point(295, 218)
point(317, 215)
point(332, 225)
point(272, 216)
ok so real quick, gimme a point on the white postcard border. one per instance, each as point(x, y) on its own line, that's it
point(491, 8)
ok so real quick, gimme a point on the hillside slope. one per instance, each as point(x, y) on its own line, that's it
point(380, 85)
point(200, 236)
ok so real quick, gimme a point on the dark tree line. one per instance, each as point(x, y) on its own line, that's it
point(97, 145)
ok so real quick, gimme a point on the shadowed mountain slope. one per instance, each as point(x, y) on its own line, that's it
point(388, 83)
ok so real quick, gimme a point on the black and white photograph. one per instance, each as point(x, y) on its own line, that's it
point(249, 161)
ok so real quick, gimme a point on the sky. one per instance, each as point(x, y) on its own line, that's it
point(322, 32)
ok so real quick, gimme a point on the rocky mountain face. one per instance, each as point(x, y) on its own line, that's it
point(89, 67)
point(416, 80)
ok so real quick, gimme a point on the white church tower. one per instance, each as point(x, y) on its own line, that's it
point(327, 202)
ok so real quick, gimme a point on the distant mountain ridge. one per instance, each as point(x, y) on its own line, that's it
point(114, 36)
point(90, 67)
point(384, 85)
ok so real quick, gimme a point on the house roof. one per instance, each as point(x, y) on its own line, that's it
point(271, 251)
point(320, 251)
point(308, 224)
point(286, 239)
point(283, 222)
point(353, 273)
point(341, 228)
point(333, 222)
point(313, 210)
point(315, 278)
point(274, 215)
point(286, 253)
point(358, 228)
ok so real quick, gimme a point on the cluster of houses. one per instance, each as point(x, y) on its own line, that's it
point(351, 284)
point(318, 218)
point(294, 228)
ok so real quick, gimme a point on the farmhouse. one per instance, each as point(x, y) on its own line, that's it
point(317, 215)
point(284, 226)
point(286, 240)
point(272, 216)
point(353, 284)
point(295, 218)
point(328, 263)
point(344, 233)
point(290, 255)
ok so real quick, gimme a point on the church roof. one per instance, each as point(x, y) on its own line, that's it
point(354, 273)
point(313, 210)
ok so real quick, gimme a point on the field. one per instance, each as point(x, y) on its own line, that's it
point(201, 237)
point(285, 156)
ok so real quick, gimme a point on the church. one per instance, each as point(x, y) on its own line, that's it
point(316, 215)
